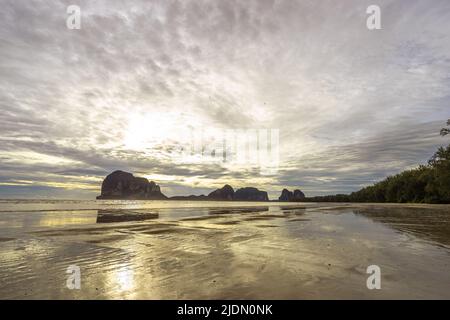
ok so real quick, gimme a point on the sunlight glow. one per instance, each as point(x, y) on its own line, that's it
point(147, 131)
point(125, 278)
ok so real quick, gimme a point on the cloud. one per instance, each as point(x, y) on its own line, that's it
point(352, 105)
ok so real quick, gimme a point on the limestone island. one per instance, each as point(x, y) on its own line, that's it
point(121, 185)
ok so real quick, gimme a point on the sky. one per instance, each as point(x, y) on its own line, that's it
point(138, 79)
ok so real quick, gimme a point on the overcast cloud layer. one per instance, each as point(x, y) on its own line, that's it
point(352, 105)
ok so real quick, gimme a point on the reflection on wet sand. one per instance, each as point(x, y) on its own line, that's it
point(429, 224)
point(237, 210)
point(258, 252)
point(121, 215)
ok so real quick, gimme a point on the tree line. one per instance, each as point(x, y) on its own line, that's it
point(428, 183)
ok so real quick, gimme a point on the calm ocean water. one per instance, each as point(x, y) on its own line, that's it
point(59, 205)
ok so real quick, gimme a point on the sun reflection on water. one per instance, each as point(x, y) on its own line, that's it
point(124, 277)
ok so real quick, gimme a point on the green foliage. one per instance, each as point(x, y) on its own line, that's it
point(445, 131)
point(426, 184)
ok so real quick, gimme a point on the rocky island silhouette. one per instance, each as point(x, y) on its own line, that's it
point(123, 185)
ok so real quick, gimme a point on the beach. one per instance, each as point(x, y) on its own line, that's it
point(222, 250)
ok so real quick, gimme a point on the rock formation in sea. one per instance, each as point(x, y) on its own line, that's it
point(192, 197)
point(226, 193)
point(290, 196)
point(250, 194)
point(123, 185)
point(298, 195)
point(286, 195)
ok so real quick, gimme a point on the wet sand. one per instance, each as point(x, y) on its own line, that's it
point(188, 250)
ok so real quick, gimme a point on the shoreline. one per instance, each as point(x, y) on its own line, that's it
point(44, 205)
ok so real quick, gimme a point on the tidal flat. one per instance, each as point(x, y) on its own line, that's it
point(222, 250)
